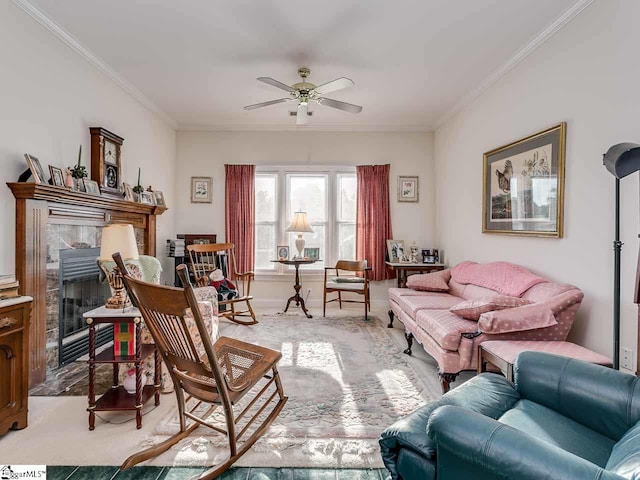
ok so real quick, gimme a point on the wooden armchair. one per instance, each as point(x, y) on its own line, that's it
point(216, 373)
point(348, 283)
point(205, 259)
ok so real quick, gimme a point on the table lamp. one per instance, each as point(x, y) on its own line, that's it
point(299, 225)
point(117, 238)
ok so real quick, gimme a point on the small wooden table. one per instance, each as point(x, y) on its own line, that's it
point(404, 269)
point(297, 297)
point(503, 353)
point(117, 397)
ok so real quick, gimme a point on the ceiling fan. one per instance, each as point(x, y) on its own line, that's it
point(304, 92)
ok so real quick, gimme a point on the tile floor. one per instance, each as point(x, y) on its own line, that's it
point(184, 473)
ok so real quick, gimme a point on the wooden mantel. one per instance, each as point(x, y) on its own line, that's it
point(37, 206)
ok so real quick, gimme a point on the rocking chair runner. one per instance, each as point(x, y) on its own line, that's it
point(218, 374)
point(205, 259)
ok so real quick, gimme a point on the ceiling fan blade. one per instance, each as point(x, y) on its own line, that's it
point(347, 107)
point(266, 104)
point(276, 83)
point(332, 86)
point(301, 117)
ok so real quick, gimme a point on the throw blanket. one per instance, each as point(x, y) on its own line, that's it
point(504, 277)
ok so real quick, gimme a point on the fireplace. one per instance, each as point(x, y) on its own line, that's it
point(79, 290)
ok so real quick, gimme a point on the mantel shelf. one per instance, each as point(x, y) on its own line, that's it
point(39, 191)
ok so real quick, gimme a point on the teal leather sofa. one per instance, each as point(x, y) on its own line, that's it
point(561, 419)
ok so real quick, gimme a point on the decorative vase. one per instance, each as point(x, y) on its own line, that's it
point(129, 382)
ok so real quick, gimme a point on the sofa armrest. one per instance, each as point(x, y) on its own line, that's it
point(486, 394)
point(474, 446)
point(603, 399)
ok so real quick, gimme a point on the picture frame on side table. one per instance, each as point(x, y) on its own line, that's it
point(282, 252)
point(312, 253)
point(408, 189)
point(36, 169)
point(201, 189)
point(91, 186)
point(128, 192)
point(395, 250)
point(158, 197)
point(147, 198)
point(523, 185)
point(57, 178)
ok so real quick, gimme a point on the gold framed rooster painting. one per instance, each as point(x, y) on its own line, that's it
point(523, 185)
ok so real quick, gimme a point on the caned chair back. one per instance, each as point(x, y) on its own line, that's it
point(163, 309)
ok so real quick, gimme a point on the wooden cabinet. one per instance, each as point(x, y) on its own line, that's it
point(14, 362)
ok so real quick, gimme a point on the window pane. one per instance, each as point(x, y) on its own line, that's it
point(309, 194)
point(347, 241)
point(265, 196)
point(265, 246)
point(347, 195)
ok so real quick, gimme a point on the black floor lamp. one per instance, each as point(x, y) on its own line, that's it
point(621, 160)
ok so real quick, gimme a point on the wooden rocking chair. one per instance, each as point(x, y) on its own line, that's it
point(208, 257)
point(218, 374)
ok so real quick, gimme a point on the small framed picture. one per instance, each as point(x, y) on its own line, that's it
point(201, 189)
point(147, 198)
point(36, 169)
point(91, 186)
point(395, 250)
point(428, 257)
point(158, 197)
point(408, 189)
point(57, 178)
point(282, 252)
point(312, 253)
point(128, 192)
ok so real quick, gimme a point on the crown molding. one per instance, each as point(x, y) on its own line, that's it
point(537, 41)
point(93, 59)
point(305, 128)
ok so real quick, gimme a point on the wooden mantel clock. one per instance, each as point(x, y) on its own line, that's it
point(105, 160)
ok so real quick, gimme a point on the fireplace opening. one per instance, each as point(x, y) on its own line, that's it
point(80, 290)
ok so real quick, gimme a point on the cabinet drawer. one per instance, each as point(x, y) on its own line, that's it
point(11, 319)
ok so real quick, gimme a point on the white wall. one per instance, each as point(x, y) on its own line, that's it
point(205, 153)
point(586, 75)
point(49, 97)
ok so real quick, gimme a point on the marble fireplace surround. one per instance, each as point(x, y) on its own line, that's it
point(48, 216)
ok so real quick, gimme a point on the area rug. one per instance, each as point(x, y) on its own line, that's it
point(346, 381)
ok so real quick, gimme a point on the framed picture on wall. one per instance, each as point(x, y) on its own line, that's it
point(523, 185)
point(408, 189)
point(201, 189)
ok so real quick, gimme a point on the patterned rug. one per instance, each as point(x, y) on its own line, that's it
point(346, 381)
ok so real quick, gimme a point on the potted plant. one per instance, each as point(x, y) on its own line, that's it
point(78, 172)
point(138, 189)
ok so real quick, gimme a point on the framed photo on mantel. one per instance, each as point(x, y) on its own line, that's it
point(523, 185)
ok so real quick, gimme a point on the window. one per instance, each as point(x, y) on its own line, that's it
point(328, 197)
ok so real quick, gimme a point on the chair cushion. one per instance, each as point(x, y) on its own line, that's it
point(345, 286)
point(552, 427)
point(411, 304)
point(347, 279)
point(472, 309)
point(445, 327)
point(430, 282)
point(625, 456)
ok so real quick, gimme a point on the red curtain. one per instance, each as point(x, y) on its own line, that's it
point(240, 213)
point(373, 218)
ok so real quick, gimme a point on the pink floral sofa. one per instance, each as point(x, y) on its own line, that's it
point(452, 340)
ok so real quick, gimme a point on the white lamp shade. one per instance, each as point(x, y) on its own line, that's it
point(118, 238)
point(299, 223)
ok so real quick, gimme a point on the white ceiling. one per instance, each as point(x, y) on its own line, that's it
point(412, 61)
